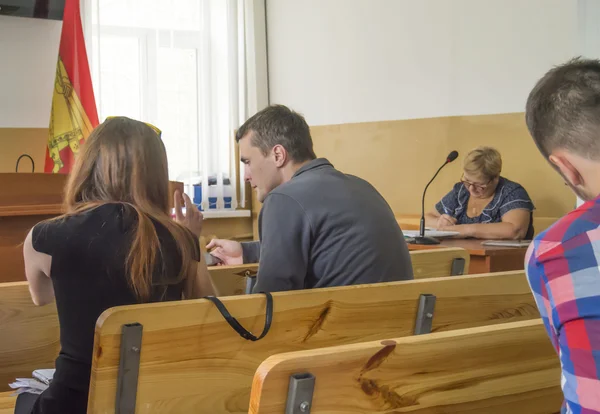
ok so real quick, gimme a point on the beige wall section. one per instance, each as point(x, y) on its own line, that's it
point(17, 141)
point(400, 157)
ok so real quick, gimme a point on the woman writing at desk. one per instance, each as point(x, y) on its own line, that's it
point(484, 205)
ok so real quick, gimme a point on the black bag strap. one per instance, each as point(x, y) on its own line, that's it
point(243, 332)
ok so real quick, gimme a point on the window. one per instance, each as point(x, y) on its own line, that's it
point(180, 65)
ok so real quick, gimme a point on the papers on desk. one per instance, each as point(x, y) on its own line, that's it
point(438, 234)
point(506, 243)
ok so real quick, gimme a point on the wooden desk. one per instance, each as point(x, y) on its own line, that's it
point(484, 259)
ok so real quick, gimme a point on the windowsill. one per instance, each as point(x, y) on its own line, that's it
point(225, 213)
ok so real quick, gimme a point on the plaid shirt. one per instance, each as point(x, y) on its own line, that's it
point(563, 269)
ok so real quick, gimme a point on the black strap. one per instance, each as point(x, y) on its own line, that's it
point(243, 332)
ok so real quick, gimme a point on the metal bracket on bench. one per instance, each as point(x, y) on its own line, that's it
point(425, 314)
point(250, 282)
point(458, 267)
point(300, 393)
point(129, 366)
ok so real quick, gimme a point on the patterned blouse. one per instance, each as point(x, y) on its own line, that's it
point(508, 196)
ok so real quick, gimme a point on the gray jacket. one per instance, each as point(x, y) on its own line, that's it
point(325, 228)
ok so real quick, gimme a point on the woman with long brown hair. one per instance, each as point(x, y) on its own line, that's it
point(115, 245)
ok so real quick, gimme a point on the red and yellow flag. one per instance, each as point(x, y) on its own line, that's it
point(73, 114)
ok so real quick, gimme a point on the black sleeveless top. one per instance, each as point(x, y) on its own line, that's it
point(89, 275)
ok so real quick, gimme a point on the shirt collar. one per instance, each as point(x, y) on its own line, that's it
point(313, 164)
point(497, 195)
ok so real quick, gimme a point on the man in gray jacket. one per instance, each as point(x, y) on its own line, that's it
point(318, 227)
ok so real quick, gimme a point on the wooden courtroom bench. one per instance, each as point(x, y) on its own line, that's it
point(34, 331)
point(190, 360)
point(30, 334)
point(7, 403)
point(507, 368)
point(452, 261)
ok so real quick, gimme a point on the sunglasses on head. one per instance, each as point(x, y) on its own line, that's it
point(155, 129)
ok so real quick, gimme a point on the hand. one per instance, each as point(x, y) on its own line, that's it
point(444, 221)
point(193, 217)
point(228, 251)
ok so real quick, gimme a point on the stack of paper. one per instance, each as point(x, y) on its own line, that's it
point(29, 385)
point(36, 385)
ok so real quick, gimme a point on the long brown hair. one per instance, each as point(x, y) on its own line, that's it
point(124, 161)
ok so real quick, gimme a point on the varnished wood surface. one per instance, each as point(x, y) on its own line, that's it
point(437, 262)
point(31, 189)
point(192, 360)
point(231, 280)
point(473, 246)
point(29, 334)
point(7, 403)
point(508, 368)
point(484, 259)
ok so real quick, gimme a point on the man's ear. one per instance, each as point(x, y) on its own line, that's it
point(562, 162)
point(280, 154)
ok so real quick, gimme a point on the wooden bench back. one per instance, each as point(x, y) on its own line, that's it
point(507, 368)
point(440, 262)
point(30, 334)
point(452, 261)
point(191, 360)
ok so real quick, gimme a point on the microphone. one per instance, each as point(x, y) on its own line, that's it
point(421, 239)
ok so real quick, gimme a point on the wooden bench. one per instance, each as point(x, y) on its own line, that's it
point(452, 261)
point(190, 360)
point(507, 368)
point(34, 331)
point(30, 334)
point(7, 403)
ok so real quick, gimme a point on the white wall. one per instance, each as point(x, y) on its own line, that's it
point(342, 61)
point(28, 54)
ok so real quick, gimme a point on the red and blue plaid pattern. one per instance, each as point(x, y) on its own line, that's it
point(563, 269)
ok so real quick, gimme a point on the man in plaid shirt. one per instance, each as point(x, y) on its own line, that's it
point(563, 263)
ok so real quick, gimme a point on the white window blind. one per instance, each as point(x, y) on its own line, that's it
point(179, 65)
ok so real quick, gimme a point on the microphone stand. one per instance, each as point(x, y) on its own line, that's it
point(421, 239)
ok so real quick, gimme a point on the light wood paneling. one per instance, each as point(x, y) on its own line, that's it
point(7, 403)
point(211, 368)
point(400, 157)
point(509, 368)
point(17, 141)
point(437, 262)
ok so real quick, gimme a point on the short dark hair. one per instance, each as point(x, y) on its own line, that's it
point(279, 125)
point(563, 109)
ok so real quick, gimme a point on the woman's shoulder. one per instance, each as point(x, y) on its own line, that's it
point(72, 228)
point(511, 188)
point(105, 212)
point(512, 195)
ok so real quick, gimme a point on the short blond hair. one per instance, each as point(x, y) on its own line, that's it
point(483, 161)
